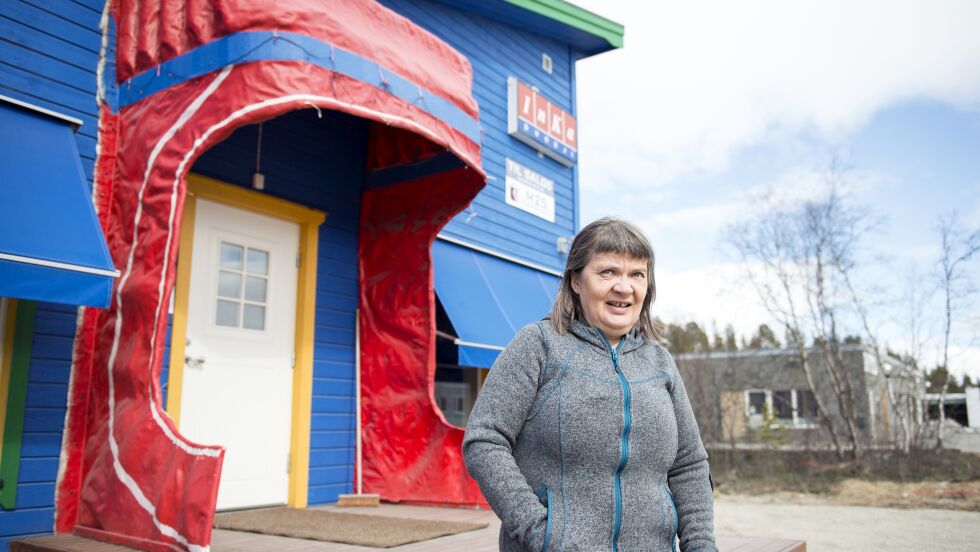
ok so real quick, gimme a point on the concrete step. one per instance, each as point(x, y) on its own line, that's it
point(64, 543)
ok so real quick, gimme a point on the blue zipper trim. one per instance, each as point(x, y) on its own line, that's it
point(624, 442)
point(547, 527)
point(677, 523)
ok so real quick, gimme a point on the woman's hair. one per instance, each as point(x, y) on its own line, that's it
point(606, 235)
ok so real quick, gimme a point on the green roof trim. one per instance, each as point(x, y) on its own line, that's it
point(574, 16)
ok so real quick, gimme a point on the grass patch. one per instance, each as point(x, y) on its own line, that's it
point(922, 479)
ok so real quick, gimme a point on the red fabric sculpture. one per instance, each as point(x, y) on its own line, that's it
point(127, 474)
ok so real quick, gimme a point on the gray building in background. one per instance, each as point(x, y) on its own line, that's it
point(761, 397)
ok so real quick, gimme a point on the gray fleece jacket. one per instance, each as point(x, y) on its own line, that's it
point(579, 446)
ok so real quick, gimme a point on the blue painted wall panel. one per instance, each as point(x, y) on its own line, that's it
point(29, 521)
point(44, 418)
point(34, 495)
point(37, 470)
point(40, 445)
point(326, 424)
point(48, 57)
point(496, 51)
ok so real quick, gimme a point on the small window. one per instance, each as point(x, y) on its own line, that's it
point(755, 407)
point(782, 405)
point(757, 403)
point(243, 286)
point(806, 407)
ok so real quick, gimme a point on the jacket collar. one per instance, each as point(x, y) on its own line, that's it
point(632, 340)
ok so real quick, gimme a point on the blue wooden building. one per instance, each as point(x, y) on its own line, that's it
point(495, 264)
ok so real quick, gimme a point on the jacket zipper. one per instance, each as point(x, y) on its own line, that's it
point(624, 442)
point(673, 508)
point(545, 495)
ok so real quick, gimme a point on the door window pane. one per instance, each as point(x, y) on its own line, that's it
point(258, 261)
point(231, 256)
point(229, 284)
point(243, 286)
point(254, 317)
point(227, 314)
point(255, 289)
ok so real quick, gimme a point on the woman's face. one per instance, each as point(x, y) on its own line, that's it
point(612, 288)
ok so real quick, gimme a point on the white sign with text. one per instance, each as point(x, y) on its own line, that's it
point(530, 191)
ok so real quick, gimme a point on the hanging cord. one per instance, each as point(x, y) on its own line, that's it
point(258, 151)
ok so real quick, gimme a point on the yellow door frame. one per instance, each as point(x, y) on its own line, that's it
point(309, 221)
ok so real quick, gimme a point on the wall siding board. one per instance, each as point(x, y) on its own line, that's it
point(324, 494)
point(81, 14)
point(29, 87)
point(43, 420)
point(35, 495)
point(45, 21)
point(332, 369)
point(328, 427)
point(334, 319)
point(332, 456)
point(50, 371)
point(40, 445)
point(52, 347)
point(16, 55)
point(26, 522)
point(333, 387)
point(37, 470)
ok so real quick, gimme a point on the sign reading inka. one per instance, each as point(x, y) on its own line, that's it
point(537, 122)
point(530, 191)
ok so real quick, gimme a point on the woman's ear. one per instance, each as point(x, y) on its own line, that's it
point(576, 285)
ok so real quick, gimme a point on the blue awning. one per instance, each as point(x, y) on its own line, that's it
point(488, 299)
point(51, 245)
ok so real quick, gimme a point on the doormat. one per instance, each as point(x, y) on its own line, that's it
point(357, 529)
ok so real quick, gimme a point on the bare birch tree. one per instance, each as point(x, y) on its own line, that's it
point(957, 250)
point(803, 260)
point(782, 261)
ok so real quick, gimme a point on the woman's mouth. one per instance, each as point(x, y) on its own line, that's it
point(619, 304)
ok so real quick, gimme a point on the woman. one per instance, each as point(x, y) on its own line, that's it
point(582, 437)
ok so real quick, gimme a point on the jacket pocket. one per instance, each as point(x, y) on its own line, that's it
point(544, 495)
point(673, 521)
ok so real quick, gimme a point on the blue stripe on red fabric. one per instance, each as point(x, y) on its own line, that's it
point(275, 46)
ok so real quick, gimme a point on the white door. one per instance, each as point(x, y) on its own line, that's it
point(238, 374)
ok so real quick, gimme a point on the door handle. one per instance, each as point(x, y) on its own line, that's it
point(194, 362)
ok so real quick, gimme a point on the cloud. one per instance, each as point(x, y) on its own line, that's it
point(713, 293)
point(973, 217)
point(697, 80)
point(715, 214)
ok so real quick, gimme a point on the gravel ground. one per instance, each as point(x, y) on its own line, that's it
point(834, 528)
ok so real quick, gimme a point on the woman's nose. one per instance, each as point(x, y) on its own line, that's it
point(622, 286)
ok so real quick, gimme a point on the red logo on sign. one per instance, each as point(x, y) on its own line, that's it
point(546, 116)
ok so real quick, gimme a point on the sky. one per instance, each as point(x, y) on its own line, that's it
point(710, 104)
